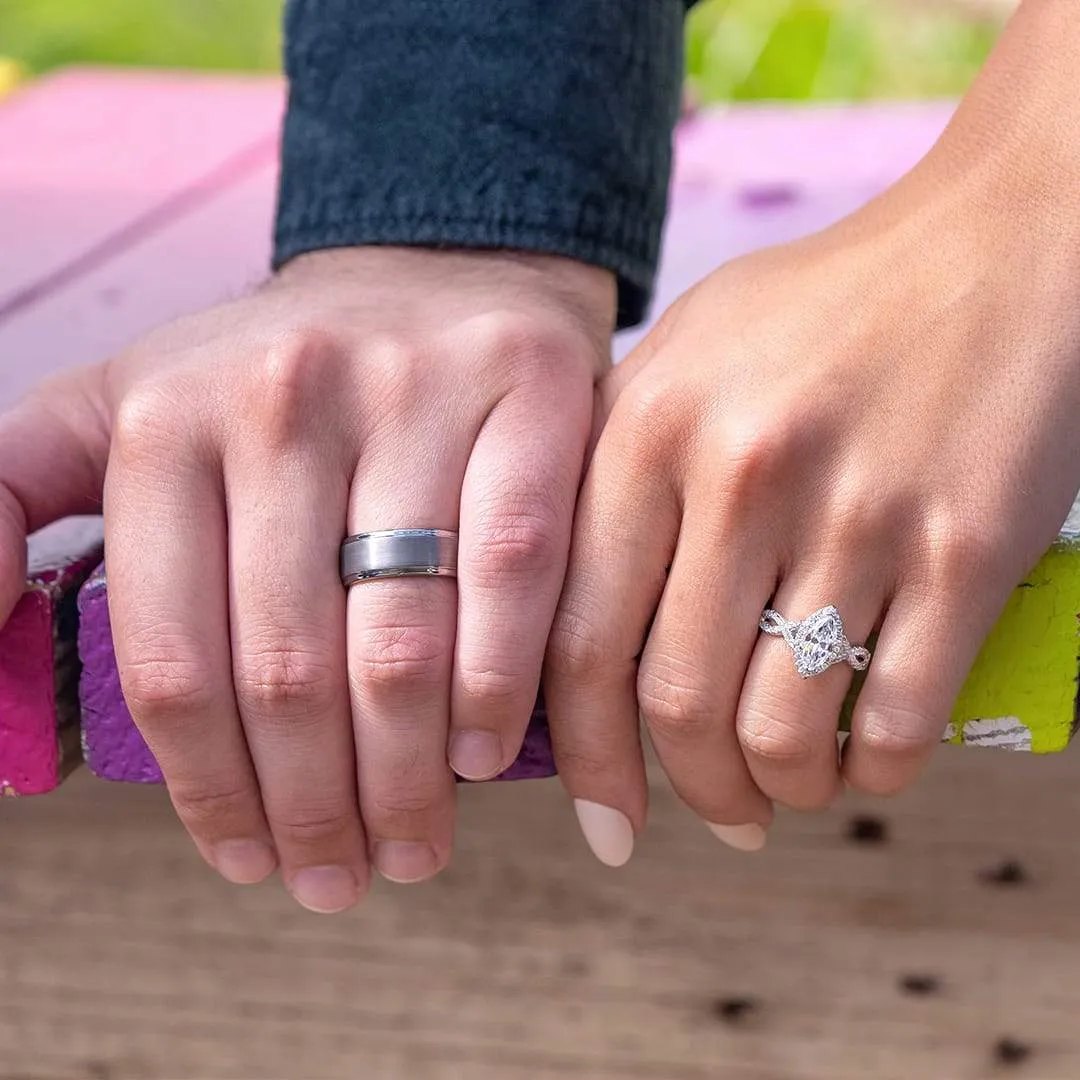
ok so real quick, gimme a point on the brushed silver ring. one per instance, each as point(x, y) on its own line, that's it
point(392, 553)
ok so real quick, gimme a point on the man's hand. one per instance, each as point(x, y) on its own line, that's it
point(362, 389)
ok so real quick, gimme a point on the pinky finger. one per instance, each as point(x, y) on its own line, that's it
point(922, 657)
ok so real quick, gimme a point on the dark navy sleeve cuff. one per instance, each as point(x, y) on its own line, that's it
point(540, 125)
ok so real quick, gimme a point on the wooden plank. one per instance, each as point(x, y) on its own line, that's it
point(122, 956)
point(91, 160)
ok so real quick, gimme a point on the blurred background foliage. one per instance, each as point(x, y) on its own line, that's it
point(736, 49)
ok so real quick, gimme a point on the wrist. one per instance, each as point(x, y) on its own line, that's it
point(1013, 147)
point(585, 290)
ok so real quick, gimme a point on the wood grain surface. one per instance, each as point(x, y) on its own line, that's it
point(122, 958)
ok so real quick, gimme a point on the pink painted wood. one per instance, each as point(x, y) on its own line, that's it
point(39, 701)
point(91, 160)
point(92, 164)
point(169, 236)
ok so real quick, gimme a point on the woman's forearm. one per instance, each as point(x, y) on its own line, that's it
point(1016, 135)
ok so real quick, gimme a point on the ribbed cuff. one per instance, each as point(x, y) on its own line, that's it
point(540, 125)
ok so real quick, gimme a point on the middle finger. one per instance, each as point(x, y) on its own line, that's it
point(692, 670)
point(288, 630)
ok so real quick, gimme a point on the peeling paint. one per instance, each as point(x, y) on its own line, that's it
point(1004, 733)
point(1071, 529)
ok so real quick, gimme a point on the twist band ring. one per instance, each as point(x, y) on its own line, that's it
point(818, 641)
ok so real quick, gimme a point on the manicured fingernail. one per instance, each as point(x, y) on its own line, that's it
point(607, 831)
point(476, 755)
point(405, 861)
point(325, 890)
point(740, 837)
point(244, 862)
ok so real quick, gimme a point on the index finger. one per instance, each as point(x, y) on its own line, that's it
point(517, 510)
point(623, 541)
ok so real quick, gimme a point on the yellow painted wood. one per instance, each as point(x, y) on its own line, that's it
point(1022, 692)
point(11, 74)
point(1028, 667)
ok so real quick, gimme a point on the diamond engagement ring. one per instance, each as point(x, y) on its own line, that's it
point(399, 553)
point(818, 641)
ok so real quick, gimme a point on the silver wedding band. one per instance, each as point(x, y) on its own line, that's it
point(399, 553)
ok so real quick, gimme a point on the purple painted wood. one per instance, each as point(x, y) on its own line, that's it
point(112, 745)
point(744, 178)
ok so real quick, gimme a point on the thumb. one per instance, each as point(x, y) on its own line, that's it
point(54, 446)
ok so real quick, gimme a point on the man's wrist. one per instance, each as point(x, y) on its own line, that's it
point(542, 126)
point(580, 291)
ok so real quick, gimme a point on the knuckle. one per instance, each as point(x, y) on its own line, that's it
point(492, 686)
point(897, 737)
point(775, 742)
point(395, 366)
point(515, 542)
point(309, 826)
point(166, 687)
point(674, 700)
point(960, 550)
point(518, 342)
point(143, 420)
point(756, 454)
point(395, 811)
point(889, 756)
point(576, 649)
point(273, 678)
point(289, 378)
point(592, 764)
point(393, 658)
point(654, 411)
point(207, 808)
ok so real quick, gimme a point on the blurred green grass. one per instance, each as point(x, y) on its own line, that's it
point(736, 49)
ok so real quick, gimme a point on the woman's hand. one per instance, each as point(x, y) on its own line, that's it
point(360, 390)
point(882, 417)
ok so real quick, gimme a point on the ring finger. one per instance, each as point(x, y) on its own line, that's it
point(401, 635)
point(787, 724)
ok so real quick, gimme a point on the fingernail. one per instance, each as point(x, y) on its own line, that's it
point(607, 831)
point(740, 837)
point(244, 862)
point(325, 890)
point(405, 861)
point(476, 755)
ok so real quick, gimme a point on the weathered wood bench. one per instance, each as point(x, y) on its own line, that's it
point(127, 199)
